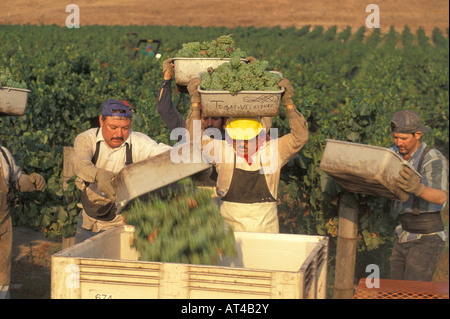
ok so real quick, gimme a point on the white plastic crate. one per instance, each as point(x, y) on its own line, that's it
point(365, 169)
point(187, 68)
point(242, 104)
point(13, 101)
point(267, 266)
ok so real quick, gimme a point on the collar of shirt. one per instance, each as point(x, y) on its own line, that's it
point(112, 159)
point(251, 156)
point(415, 156)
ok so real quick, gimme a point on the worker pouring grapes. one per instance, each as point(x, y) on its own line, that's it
point(98, 156)
point(249, 163)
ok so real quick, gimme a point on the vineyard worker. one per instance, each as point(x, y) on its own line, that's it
point(421, 234)
point(249, 164)
point(11, 176)
point(174, 119)
point(98, 155)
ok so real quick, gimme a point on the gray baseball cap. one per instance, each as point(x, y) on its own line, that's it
point(406, 122)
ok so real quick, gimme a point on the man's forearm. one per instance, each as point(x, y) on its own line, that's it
point(432, 195)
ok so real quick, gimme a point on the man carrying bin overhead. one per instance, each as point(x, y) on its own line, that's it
point(248, 163)
point(98, 155)
point(421, 234)
point(174, 119)
point(11, 176)
point(172, 116)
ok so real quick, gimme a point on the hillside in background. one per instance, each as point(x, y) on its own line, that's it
point(427, 14)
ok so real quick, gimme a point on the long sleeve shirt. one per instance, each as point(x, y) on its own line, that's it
point(14, 176)
point(168, 112)
point(434, 171)
point(112, 159)
point(269, 159)
point(11, 171)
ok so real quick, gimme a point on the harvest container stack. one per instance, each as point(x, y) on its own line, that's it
point(233, 85)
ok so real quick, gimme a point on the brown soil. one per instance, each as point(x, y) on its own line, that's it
point(427, 14)
point(31, 264)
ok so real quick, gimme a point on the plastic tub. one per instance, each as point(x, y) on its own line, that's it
point(243, 104)
point(13, 101)
point(364, 169)
point(187, 68)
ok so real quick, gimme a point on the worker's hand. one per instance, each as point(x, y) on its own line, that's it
point(251, 59)
point(168, 69)
point(192, 89)
point(103, 179)
point(38, 181)
point(409, 181)
point(288, 94)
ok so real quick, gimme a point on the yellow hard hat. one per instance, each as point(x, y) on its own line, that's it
point(243, 128)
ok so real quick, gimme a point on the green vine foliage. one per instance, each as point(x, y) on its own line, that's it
point(347, 84)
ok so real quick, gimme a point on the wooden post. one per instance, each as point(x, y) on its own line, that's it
point(67, 174)
point(346, 252)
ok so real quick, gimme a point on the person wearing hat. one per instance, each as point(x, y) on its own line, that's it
point(11, 175)
point(248, 164)
point(421, 234)
point(174, 120)
point(98, 155)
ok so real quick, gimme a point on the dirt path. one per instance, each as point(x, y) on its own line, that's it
point(427, 14)
point(31, 264)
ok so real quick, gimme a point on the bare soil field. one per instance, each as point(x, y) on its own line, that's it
point(427, 14)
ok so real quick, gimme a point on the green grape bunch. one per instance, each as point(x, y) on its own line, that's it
point(182, 227)
point(223, 47)
point(235, 76)
point(6, 79)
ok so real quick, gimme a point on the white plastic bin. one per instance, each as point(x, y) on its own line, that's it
point(187, 68)
point(13, 101)
point(243, 104)
point(364, 169)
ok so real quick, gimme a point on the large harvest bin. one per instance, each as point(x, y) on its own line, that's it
point(364, 169)
point(267, 266)
point(13, 101)
point(187, 68)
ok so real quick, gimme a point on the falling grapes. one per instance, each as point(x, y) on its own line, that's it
point(183, 227)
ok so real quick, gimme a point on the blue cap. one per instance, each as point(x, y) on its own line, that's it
point(111, 108)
